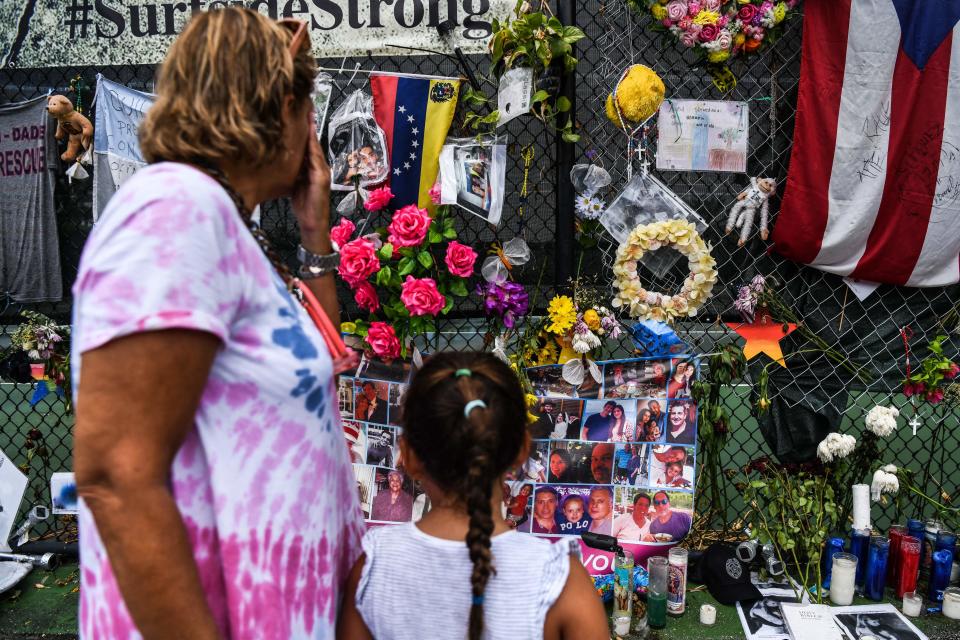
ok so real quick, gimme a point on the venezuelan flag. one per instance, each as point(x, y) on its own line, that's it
point(415, 114)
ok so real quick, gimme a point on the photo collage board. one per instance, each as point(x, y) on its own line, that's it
point(616, 457)
point(369, 400)
point(600, 453)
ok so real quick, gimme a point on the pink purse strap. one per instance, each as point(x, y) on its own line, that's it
point(344, 358)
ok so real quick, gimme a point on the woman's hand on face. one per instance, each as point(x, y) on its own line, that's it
point(311, 197)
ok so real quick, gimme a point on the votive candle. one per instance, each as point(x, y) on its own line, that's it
point(951, 603)
point(877, 567)
point(708, 614)
point(657, 570)
point(860, 547)
point(927, 542)
point(834, 546)
point(843, 578)
point(912, 601)
point(909, 565)
point(895, 534)
point(941, 563)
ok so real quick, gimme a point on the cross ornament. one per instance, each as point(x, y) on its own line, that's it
point(914, 423)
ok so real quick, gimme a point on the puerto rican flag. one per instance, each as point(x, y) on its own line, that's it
point(873, 190)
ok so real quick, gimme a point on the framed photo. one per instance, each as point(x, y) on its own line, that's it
point(63, 494)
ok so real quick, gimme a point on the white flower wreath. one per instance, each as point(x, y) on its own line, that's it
point(650, 305)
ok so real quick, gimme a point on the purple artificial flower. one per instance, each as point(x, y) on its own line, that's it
point(505, 300)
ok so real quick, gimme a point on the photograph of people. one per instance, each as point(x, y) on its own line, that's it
point(392, 503)
point(370, 404)
point(681, 428)
point(600, 508)
point(547, 381)
point(601, 463)
point(621, 457)
point(356, 440)
point(635, 524)
point(381, 446)
point(672, 466)
point(534, 469)
point(561, 466)
point(599, 422)
point(882, 625)
point(546, 420)
point(680, 380)
point(364, 476)
point(517, 505)
point(637, 466)
point(656, 373)
point(361, 163)
point(345, 396)
point(657, 414)
point(621, 429)
point(764, 619)
point(573, 520)
point(545, 511)
point(395, 399)
point(668, 525)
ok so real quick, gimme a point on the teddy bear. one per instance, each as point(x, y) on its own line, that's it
point(75, 126)
point(742, 215)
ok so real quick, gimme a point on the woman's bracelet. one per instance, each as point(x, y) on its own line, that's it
point(314, 265)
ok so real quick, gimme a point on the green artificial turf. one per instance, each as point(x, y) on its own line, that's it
point(30, 611)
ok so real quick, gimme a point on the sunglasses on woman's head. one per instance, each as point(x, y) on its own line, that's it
point(660, 502)
point(300, 34)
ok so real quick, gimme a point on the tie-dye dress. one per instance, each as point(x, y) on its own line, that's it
point(263, 480)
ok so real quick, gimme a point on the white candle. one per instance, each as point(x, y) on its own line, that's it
point(621, 626)
point(951, 603)
point(843, 579)
point(708, 614)
point(861, 507)
point(955, 573)
point(912, 604)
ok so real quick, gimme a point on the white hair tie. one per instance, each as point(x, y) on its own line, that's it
point(473, 404)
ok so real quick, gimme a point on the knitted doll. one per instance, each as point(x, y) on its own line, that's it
point(744, 211)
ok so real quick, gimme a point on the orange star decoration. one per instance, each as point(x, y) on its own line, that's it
point(763, 335)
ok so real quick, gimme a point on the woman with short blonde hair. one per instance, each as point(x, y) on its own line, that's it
point(218, 499)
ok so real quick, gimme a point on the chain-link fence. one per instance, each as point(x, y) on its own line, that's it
point(867, 332)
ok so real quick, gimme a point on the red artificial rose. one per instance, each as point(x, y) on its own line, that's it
point(383, 341)
point(409, 226)
point(340, 234)
point(358, 261)
point(366, 297)
point(421, 297)
point(460, 259)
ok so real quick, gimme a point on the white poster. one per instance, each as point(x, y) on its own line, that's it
point(63, 493)
point(703, 135)
point(12, 485)
point(53, 33)
point(116, 148)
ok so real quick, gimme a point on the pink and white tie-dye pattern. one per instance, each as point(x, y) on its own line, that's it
point(263, 481)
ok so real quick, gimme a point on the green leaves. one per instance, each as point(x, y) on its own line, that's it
point(386, 251)
point(425, 259)
point(406, 266)
point(459, 287)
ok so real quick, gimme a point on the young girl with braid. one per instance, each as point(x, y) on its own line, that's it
point(461, 571)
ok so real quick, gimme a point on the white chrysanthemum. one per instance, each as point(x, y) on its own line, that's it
point(835, 446)
point(882, 420)
point(590, 206)
point(585, 342)
point(884, 482)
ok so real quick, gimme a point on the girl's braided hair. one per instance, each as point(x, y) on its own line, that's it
point(465, 452)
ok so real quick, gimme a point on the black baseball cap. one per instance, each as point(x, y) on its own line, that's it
point(726, 576)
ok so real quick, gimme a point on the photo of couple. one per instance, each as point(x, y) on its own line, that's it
point(658, 516)
point(635, 379)
point(581, 462)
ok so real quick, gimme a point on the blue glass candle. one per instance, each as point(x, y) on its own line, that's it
point(860, 547)
point(915, 528)
point(877, 567)
point(834, 546)
point(941, 563)
point(946, 541)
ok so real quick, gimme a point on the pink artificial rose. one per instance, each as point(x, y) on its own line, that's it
point(693, 8)
point(685, 23)
point(383, 340)
point(708, 32)
point(435, 193)
point(358, 261)
point(676, 9)
point(952, 372)
point(722, 21)
point(711, 5)
point(340, 234)
point(409, 226)
point(366, 297)
point(378, 199)
point(747, 13)
point(688, 39)
point(667, 22)
point(460, 259)
point(421, 297)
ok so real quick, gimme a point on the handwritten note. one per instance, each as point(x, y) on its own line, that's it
point(703, 135)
